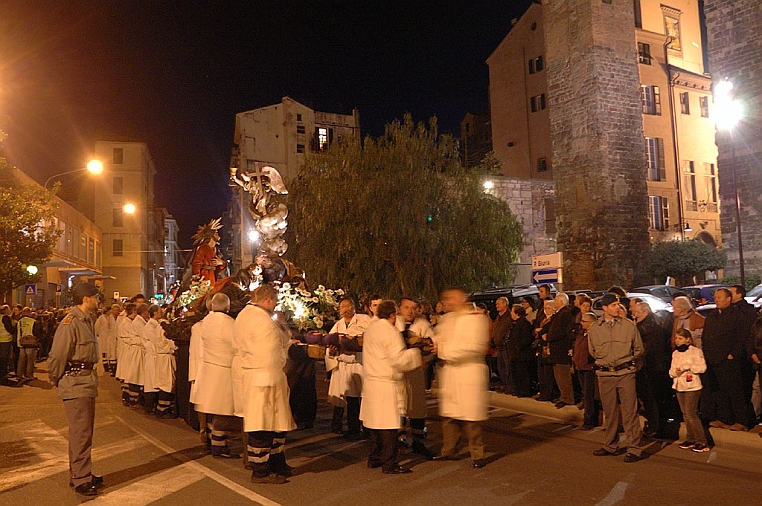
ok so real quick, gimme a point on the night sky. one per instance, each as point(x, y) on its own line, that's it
point(174, 74)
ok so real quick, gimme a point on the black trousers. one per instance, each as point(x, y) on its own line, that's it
point(731, 399)
point(265, 451)
point(5, 357)
point(522, 378)
point(385, 448)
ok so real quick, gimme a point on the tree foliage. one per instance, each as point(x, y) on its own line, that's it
point(684, 260)
point(398, 214)
point(28, 232)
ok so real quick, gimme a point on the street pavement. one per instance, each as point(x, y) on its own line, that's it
point(536, 455)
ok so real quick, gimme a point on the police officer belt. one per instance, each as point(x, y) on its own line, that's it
point(614, 368)
point(77, 368)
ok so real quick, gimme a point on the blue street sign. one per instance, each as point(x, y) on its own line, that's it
point(30, 290)
point(546, 276)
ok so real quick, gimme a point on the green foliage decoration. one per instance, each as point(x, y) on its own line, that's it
point(683, 260)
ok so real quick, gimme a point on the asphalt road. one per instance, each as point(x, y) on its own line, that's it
point(536, 455)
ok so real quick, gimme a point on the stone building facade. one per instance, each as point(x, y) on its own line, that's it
point(596, 127)
point(734, 46)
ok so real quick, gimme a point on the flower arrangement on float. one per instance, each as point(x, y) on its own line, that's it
point(309, 311)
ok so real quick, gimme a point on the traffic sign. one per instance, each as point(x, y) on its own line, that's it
point(552, 261)
point(58, 289)
point(30, 290)
point(116, 295)
point(547, 276)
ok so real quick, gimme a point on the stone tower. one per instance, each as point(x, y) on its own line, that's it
point(734, 46)
point(597, 138)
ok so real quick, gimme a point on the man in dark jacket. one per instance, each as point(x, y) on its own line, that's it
point(652, 379)
point(725, 352)
point(521, 351)
point(560, 338)
point(500, 334)
point(748, 315)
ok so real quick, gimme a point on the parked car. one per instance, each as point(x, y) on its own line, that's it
point(702, 294)
point(514, 294)
point(754, 296)
point(663, 292)
point(660, 308)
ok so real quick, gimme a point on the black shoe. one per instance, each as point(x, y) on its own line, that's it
point(270, 479)
point(398, 470)
point(374, 465)
point(421, 449)
point(478, 464)
point(602, 452)
point(285, 470)
point(441, 456)
point(631, 457)
point(587, 427)
point(87, 489)
point(95, 480)
point(561, 404)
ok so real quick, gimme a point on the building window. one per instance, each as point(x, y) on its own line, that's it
point(710, 178)
point(704, 105)
point(658, 213)
point(672, 28)
point(90, 250)
point(651, 99)
point(538, 103)
point(118, 185)
point(322, 139)
point(644, 53)
point(638, 15)
point(655, 159)
point(685, 103)
point(536, 65)
point(97, 253)
point(118, 218)
point(689, 185)
point(542, 164)
point(83, 247)
point(300, 148)
point(298, 117)
point(300, 129)
point(117, 156)
point(118, 248)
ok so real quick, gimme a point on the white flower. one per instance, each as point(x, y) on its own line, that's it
point(318, 321)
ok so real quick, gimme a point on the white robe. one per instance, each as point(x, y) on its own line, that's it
point(105, 329)
point(346, 378)
point(262, 345)
point(214, 383)
point(121, 346)
point(386, 358)
point(462, 339)
point(195, 356)
point(135, 353)
point(416, 379)
point(160, 363)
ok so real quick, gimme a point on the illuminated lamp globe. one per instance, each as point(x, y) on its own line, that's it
point(95, 167)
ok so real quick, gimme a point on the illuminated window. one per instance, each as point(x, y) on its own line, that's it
point(322, 139)
point(689, 185)
point(658, 213)
point(644, 53)
point(685, 103)
point(655, 159)
point(651, 100)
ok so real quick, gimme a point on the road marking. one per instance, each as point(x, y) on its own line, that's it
point(231, 485)
point(151, 489)
point(712, 456)
point(59, 464)
point(617, 493)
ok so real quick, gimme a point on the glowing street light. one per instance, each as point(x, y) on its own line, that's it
point(32, 269)
point(129, 208)
point(93, 167)
point(253, 235)
point(488, 185)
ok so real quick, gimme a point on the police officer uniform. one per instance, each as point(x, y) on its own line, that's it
point(71, 366)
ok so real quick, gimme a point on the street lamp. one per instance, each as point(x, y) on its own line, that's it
point(727, 113)
point(93, 167)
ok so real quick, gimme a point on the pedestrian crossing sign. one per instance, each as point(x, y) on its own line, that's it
point(30, 290)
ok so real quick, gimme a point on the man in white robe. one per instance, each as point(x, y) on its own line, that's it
point(214, 383)
point(134, 375)
point(461, 341)
point(386, 359)
point(105, 329)
point(160, 359)
point(262, 346)
point(124, 357)
point(345, 388)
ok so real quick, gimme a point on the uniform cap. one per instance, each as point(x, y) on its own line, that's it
point(609, 298)
point(85, 290)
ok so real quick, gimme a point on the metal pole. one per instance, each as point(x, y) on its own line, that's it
point(738, 209)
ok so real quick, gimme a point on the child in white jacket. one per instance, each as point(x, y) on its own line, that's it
point(687, 363)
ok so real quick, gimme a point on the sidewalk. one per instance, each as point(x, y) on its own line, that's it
point(573, 416)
